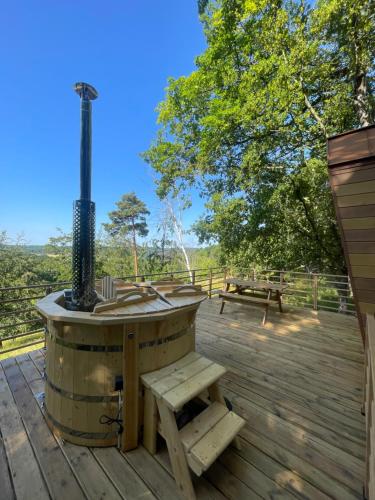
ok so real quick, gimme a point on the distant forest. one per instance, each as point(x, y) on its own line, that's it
point(22, 264)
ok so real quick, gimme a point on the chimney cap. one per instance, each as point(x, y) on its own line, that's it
point(85, 91)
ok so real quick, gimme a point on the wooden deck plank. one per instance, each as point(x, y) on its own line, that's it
point(123, 476)
point(350, 421)
point(224, 342)
point(291, 322)
point(59, 477)
point(152, 473)
point(339, 465)
point(27, 478)
point(292, 482)
point(229, 485)
point(253, 477)
point(294, 328)
point(268, 358)
point(303, 420)
point(286, 374)
point(95, 482)
point(302, 468)
point(5, 474)
point(203, 488)
point(298, 383)
point(319, 381)
point(320, 404)
point(295, 412)
point(311, 364)
point(298, 320)
point(329, 355)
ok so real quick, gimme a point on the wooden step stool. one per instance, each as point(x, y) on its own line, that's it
point(201, 441)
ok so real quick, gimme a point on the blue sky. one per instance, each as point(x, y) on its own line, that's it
point(127, 50)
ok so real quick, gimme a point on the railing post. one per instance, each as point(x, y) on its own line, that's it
point(225, 277)
point(315, 291)
point(193, 277)
point(210, 283)
point(282, 274)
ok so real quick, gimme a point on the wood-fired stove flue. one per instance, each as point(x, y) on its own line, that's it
point(83, 296)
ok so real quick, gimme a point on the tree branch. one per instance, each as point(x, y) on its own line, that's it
point(312, 110)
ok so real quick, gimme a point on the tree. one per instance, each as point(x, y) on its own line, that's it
point(18, 266)
point(348, 29)
point(58, 261)
point(178, 230)
point(129, 219)
point(248, 127)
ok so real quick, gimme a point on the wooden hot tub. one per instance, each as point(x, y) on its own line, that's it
point(86, 356)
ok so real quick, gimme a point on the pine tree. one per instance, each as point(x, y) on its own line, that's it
point(129, 219)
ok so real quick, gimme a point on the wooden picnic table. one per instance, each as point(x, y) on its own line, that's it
point(273, 293)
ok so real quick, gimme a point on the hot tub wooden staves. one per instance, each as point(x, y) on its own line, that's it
point(86, 358)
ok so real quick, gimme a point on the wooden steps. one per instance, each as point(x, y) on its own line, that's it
point(207, 436)
point(200, 442)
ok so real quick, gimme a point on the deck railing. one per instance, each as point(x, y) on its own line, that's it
point(328, 292)
point(369, 407)
point(21, 326)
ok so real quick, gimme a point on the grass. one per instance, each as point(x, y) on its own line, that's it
point(18, 343)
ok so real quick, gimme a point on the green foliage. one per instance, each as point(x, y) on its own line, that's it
point(115, 256)
point(128, 218)
point(58, 263)
point(249, 126)
point(18, 267)
point(205, 258)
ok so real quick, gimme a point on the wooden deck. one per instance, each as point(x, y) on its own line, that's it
point(297, 381)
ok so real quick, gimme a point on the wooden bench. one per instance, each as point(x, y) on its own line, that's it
point(247, 299)
point(198, 444)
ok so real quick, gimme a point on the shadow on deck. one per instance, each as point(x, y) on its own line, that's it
point(297, 381)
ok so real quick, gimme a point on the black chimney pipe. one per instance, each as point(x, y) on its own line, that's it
point(83, 296)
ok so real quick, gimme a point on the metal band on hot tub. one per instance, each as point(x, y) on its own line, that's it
point(117, 348)
point(80, 397)
point(81, 434)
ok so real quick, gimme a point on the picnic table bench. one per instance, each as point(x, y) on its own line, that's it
point(273, 293)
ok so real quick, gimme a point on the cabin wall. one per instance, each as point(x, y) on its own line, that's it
point(351, 164)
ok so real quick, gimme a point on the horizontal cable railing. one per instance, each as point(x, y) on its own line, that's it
point(318, 291)
point(21, 326)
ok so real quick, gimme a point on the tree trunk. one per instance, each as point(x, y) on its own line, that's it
point(135, 253)
point(361, 99)
point(179, 237)
point(163, 251)
point(361, 95)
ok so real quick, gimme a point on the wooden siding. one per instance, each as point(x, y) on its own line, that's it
point(351, 160)
point(352, 146)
